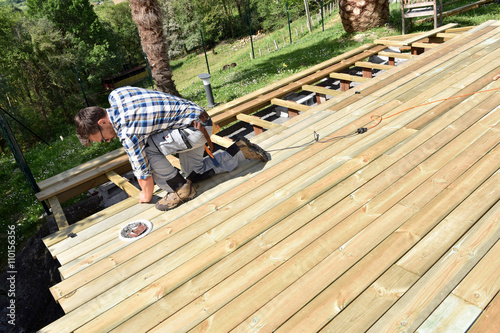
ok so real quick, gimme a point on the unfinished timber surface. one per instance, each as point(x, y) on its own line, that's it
point(395, 229)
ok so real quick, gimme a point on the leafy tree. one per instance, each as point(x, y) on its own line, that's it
point(96, 54)
point(117, 19)
point(189, 20)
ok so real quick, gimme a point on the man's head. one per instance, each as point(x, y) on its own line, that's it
point(93, 125)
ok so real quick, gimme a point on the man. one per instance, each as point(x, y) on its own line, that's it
point(152, 125)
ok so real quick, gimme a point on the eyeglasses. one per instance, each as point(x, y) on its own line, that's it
point(102, 136)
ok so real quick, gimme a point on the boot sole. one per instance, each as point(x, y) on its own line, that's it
point(164, 209)
point(261, 152)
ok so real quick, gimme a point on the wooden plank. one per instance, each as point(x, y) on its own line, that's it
point(453, 315)
point(447, 35)
point(83, 177)
point(347, 77)
point(424, 45)
point(396, 55)
point(291, 105)
point(123, 183)
point(415, 37)
point(58, 213)
point(489, 319)
point(474, 293)
point(366, 64)
point(321, 90)
point(430, 33)
point(418, 302)
point(52, 181)
point(257, 121)
point(446, 202)
point(481, 285)
point(221, 141)
point(353, 249)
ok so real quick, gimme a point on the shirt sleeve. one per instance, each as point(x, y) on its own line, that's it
point(134, 147)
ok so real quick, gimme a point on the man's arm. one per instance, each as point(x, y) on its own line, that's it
point(147, 185)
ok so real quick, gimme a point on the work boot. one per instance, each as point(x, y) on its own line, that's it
point(251, 151)
point(174, 199)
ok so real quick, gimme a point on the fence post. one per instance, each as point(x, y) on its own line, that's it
point(81, 86)
point(251, 40)
point(149, 70)
point(204, 50)
point(288, 17)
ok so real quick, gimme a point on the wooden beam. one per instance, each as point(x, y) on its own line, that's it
point(365, 64)
point(123, 183)
point(58, 213)
point(447, 35)
point(321, 90)
point(293, 107)
point(68, 174)
point(416, 37)
point(347, 77)
point(258, 124)
point(396, 55)
point(425, 45)
point(221, 141)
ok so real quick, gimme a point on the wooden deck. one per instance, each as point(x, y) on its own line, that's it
point(395, 229)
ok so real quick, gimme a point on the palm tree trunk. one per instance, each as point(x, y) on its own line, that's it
point(361, 15)
point(147, 16)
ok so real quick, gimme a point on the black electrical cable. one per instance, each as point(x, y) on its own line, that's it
point(360, 130)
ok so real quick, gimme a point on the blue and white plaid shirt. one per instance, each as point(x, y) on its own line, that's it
point(137, 113)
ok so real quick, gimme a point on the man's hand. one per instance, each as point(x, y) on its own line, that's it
point(147, 185)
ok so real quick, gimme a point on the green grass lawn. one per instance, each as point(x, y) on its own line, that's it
point(20, 207)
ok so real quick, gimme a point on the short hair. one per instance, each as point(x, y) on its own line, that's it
point(86, 121)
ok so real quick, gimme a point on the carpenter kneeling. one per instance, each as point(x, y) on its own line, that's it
point(152, 125)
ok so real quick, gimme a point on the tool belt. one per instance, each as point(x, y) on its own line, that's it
point(203, 118)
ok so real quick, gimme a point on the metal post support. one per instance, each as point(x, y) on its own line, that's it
point(149, 70)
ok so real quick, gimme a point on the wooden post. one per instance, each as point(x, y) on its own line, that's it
point(367, 72)
point(345, 85)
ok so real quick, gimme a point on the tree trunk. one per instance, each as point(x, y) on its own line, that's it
point(361, 15)
point(147, 15)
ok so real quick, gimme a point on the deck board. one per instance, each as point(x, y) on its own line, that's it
point(351, 233)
